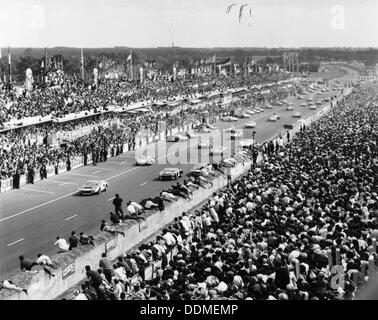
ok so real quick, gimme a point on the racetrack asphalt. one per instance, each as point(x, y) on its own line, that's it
point(32, 217)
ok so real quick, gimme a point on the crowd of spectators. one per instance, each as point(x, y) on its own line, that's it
point(269, 235)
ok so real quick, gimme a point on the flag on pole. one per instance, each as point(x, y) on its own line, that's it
point(82, 64)
point(129, 57)
point(9, 64)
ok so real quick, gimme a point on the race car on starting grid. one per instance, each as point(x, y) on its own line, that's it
point(274, 117)
point(289, 108)
point(145, 160)
point(229, 119)
point(93, 187)
point(296, 115)
point(171, 174)
point(250, 125)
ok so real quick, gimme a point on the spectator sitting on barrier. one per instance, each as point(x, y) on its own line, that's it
point(168, 196)
point(27, 264)
point(85, 239)
point(62, 245)
point(73, 240)
point(114, 218)
point(160, 203)
point(148, 204)
point(8, 284)
point(133, 210)
point(44, 260)
point(107, 228)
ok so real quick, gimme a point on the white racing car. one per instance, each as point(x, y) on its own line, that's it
point(304, 104)
point(274, 117)
point(145, 160)
point(252, 112)
point(289, 108)
point(250, 125)
point(319, 102)
point(229, 119)
point(171, 173)
point(93, 187)
point(268, 106)
point(313, 107)
point(296, 115)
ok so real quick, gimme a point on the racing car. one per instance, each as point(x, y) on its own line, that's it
point(229, 119)
point(250, 125)
point(268, 106)
point(273, 117)
point(145, 160)
point(313, 107)
point(93, 187)
point(171, 174)
point(304, 104)
point(296, 115)
point(289, 108)
point(252, 112)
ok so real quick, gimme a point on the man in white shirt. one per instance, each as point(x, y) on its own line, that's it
point(170, 241)
point(44, 260)
point(62, 245)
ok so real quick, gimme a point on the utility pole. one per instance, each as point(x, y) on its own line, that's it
point(173, 46)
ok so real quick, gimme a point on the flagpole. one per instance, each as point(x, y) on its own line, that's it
point(9, 64)
point(82, 64)
point(132, 71)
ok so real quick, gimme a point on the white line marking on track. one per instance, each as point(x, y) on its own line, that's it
point(39, 191)
point(144, 183)
point(123, 162)
point(69, 218)
point(107, 169)
point(83, 175)
point(17, 241)
point(97, 171)
point(60, 182)
point(117, 162)
point(110, 199)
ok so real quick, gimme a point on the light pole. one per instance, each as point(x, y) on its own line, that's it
point(253, 136)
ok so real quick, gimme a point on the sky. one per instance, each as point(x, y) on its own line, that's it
point(195, 23)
